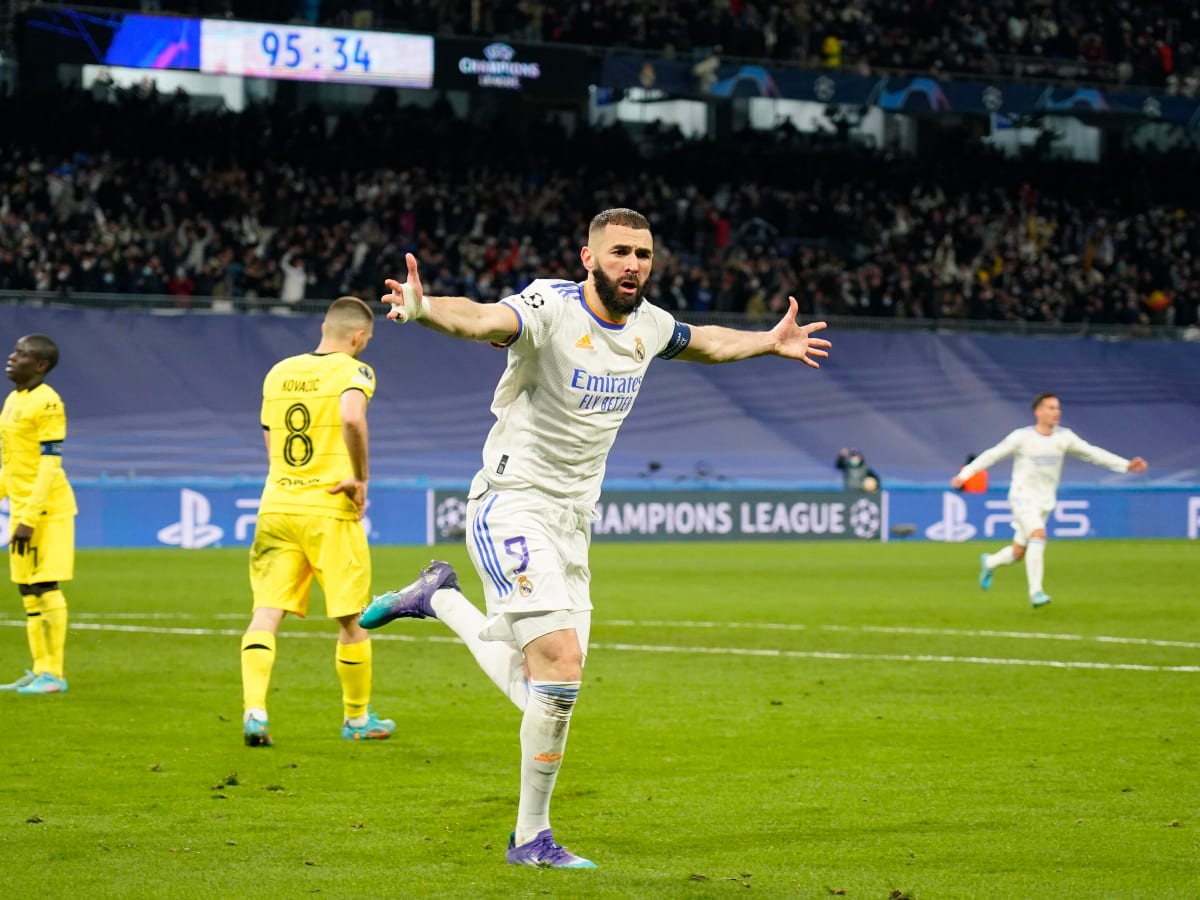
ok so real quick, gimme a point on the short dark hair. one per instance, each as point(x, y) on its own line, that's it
point(43, 348)
point(630, 218)
point(1037, 401)
point(350, 313)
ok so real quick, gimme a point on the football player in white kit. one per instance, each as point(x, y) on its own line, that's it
point(1038, 452)
point(577, 354)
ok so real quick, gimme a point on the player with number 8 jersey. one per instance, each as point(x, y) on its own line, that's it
point(314, 419)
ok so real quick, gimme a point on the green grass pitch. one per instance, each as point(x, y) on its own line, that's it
point(774, 720)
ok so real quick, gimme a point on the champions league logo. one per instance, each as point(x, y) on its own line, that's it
point(451, 517)
point(500, 68)
point(865, 518)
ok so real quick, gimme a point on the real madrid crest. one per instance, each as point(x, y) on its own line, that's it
point(639, 349)
point(524, 585)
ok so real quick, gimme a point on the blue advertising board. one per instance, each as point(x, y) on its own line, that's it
point(222, 513)
point(202, 515)
point(945, 515)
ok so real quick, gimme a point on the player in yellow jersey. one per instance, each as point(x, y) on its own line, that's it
point(41, 547)
point(314, 419)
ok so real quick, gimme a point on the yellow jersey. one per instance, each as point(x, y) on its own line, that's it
point(33, 424)
point(302, 409)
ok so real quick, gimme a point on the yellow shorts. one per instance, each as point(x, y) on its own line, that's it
point(51, 553)
point(289, 550)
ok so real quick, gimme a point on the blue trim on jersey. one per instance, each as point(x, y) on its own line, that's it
point(680, 338)
point(487, 551)
point(52, 448)
point(571, 290)
point(520, 327)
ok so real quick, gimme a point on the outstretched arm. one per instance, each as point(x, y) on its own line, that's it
point(789, 339)
point(1106, 458)
point(455, 316)
point(988, 458)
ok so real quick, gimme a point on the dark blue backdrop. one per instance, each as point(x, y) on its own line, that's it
point(155, 395)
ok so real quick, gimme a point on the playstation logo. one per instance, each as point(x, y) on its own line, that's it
point(193, 530)
point(954, 526)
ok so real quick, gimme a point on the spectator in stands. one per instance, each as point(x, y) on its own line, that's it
point(1038, 452)
point(295, 277)
point(856, 474)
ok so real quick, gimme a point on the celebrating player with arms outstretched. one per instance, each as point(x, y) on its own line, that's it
point(577, 354)
point(1038, 452)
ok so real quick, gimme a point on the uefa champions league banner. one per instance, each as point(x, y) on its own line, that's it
point(917, 513)
point(708, 515)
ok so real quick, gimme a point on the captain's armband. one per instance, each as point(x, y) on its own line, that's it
point(680, 338)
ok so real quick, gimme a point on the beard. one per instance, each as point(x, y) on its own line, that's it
point(617, 304)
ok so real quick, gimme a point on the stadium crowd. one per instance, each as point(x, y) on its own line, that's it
point(142, 195)
point(1110, 41)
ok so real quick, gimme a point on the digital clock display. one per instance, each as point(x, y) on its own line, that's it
point(259, 50)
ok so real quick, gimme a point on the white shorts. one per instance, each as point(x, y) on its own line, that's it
point(531, 553)
point(1027, 517)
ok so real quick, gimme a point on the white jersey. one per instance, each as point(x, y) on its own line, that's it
point(1038, 462)
point(571, 380)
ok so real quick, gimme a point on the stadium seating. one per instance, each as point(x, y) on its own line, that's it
point(162, 205)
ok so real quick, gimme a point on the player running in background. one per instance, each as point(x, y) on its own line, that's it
point(314, 419)
point(577, 354)
point(41, 547)
point(1038, 452)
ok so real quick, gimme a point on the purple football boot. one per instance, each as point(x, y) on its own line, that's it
point(544, 853)
point(411, 601)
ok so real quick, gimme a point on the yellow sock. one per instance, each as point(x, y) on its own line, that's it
point(354, 672)
point(35, 630)
point(54, 614)
point(258, 658)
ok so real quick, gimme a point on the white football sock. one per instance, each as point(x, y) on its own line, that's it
point(1003, 557)
point(544, 730)
point(501, 662)
point(1035, 564)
